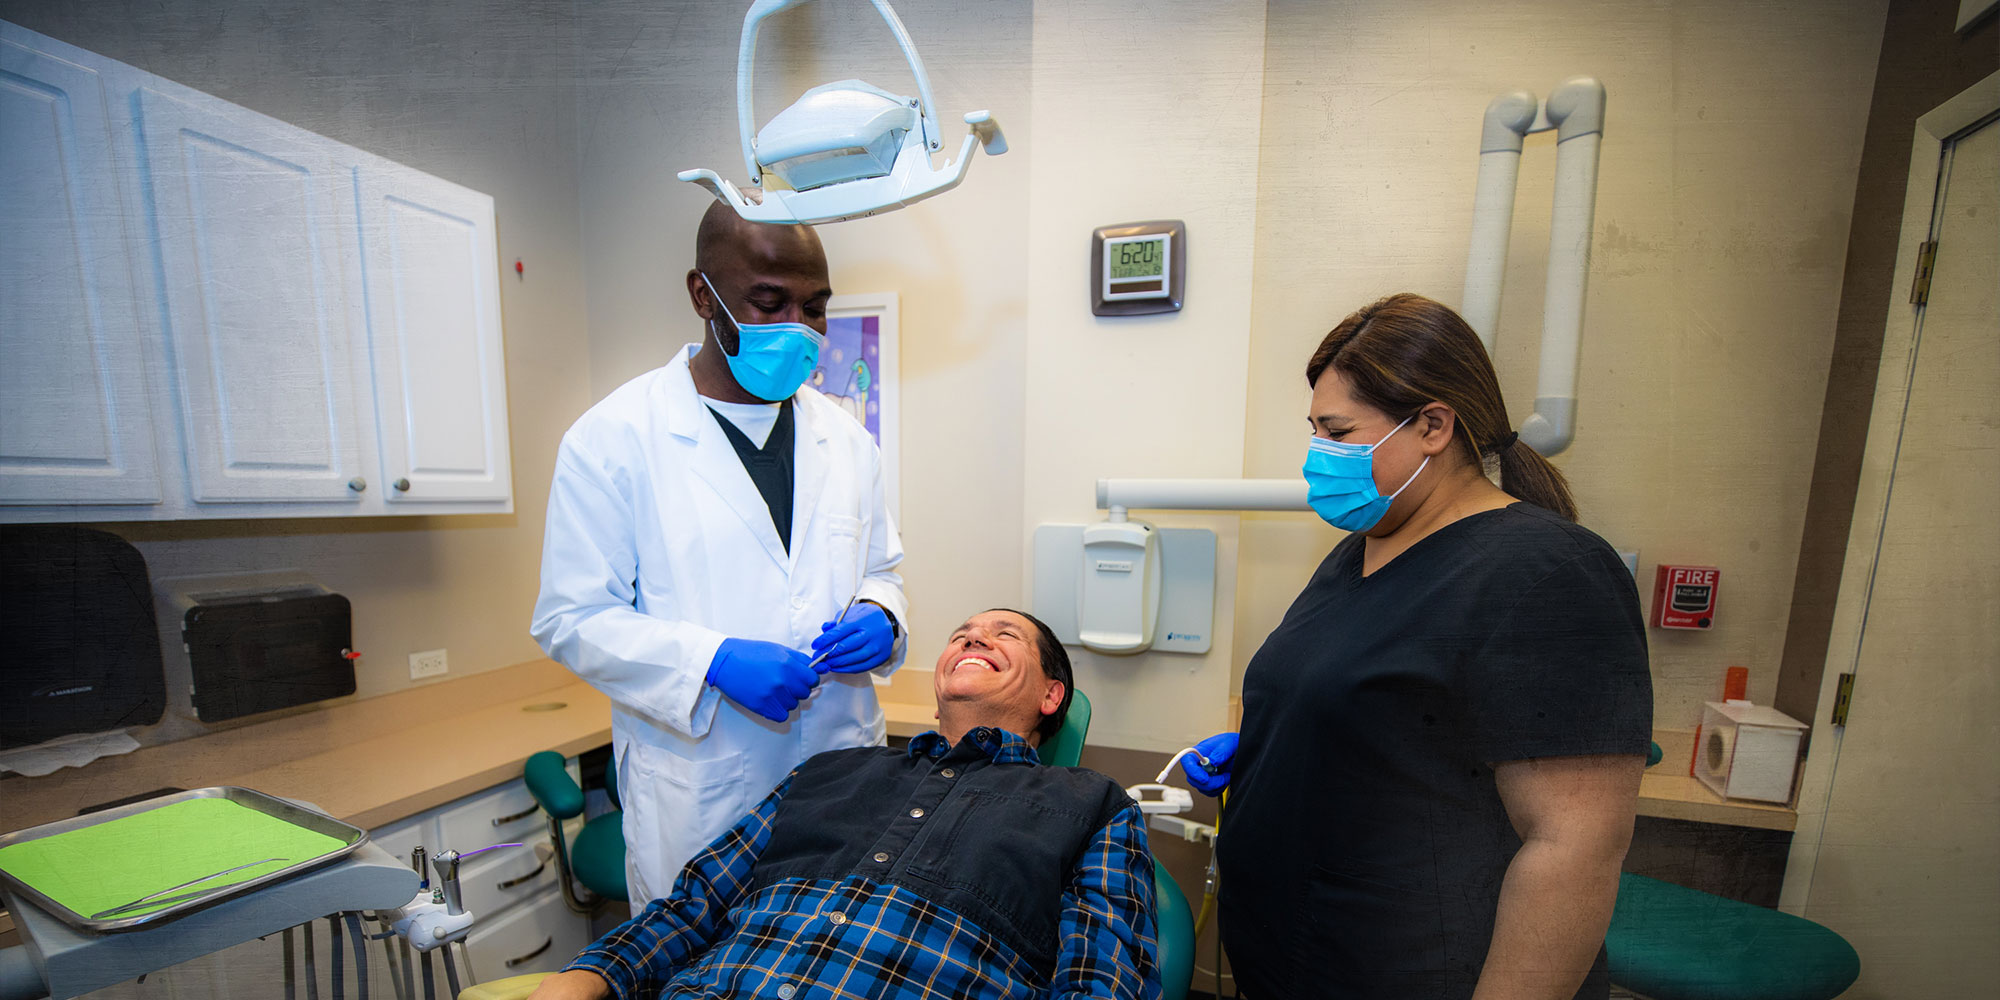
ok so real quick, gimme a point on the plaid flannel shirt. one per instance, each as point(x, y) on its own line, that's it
point(857, 937)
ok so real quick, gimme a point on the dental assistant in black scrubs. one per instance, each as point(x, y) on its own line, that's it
point(1441, 744)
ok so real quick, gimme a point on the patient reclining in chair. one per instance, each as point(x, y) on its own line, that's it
point(958, 866)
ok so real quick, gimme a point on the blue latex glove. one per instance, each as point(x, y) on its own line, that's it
point(764, 677)
point(862, 642)
point(1212, 778)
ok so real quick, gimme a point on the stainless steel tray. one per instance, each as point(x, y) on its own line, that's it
point(350, 836)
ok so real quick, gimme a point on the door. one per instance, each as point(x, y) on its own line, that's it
point(1906, 865)
point(253, 216)
point(75, 426)
point(430, 269)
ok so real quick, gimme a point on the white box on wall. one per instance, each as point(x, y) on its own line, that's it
point(1745, 751)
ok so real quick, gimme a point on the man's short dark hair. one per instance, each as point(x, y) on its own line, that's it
point(1055, 666)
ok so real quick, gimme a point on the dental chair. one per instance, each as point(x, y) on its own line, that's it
point(1668, 942)
point(1173, 920)
point(552, 788)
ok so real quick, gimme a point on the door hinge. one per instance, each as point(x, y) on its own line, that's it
point(1841, 698)
point(1920, 288)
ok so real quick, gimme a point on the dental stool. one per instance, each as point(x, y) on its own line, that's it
point(597, 858)
point(1668, 942)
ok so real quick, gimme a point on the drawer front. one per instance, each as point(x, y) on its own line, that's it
point(493, 882)
point(505, 814)
point(542, 936)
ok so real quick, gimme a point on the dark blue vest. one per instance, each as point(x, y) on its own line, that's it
point(995, 843)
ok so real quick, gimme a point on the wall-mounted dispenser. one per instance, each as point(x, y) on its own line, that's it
point(255, 642)
point(1121, 586)
point(1120, 592)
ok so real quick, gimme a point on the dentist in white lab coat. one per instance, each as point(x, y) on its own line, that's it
point(694, 566)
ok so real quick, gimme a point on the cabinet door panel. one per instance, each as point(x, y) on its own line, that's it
point(541, 936)
point(430, 270)
point(251, 218)
point(75, 425)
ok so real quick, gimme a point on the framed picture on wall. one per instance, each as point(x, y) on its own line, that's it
point(857, 372)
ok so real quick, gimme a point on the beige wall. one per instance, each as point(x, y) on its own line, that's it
point(1732, 142)
point(479, 96)
point(1143, 113)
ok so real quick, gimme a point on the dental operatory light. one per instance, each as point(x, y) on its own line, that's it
point(843, 150)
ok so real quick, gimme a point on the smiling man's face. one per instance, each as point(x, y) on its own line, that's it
point(990, 674)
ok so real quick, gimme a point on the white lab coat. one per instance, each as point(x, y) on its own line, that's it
point(659, 547)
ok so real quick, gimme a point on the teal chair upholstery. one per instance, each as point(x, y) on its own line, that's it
point(1174, 922)
point(1669, 942)
point(597, 858)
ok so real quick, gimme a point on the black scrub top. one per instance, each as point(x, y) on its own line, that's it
point(1364, 841)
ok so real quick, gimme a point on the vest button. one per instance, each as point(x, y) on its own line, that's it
point(917, 813)
point(881, 857)
point(949, 773)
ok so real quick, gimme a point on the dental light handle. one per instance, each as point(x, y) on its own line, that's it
point(446, 864)
point(746, 61)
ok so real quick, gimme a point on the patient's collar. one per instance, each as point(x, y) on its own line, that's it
point(999, 745)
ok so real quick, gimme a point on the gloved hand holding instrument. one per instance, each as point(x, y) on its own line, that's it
point(1206, 764)
point(862, 638)
point(764, 677)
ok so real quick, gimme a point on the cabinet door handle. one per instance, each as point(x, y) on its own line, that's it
point(401, 485)
point(523, 814)
point(530, 877)
point(531, 956)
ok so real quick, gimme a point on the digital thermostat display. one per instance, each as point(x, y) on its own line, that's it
point(1141, 257)
point(1138, 268)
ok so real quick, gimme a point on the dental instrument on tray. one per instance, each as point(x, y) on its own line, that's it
point(843, 150)
point(154, 899)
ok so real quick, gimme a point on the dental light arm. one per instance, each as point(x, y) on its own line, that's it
point(1576, 112)
point(844, 150)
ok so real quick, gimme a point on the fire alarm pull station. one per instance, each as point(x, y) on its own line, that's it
point(1684, 596)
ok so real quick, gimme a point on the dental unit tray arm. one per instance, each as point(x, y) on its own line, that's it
point(844, 169)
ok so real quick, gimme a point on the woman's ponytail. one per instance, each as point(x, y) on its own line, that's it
point(1526, 475)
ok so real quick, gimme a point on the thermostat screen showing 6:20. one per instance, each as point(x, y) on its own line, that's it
point(1145, 258)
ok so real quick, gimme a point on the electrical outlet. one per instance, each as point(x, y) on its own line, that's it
point(428, 663)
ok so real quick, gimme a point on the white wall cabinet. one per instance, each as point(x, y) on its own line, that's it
point(427, 258)
point(213, 313)
point(75, 411)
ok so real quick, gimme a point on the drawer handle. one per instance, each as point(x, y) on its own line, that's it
point(523, 814)
point(531, 956)
point(530, 877)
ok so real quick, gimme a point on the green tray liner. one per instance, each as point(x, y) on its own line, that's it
point(95, 868)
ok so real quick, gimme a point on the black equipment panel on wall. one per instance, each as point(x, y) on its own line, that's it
point(82, 649)
point(264, 653)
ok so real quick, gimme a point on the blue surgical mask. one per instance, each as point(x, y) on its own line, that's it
point(772, 359)
point(1340, 482)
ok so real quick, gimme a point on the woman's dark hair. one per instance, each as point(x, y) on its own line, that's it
point(1405, 352)
point(1055, 666)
